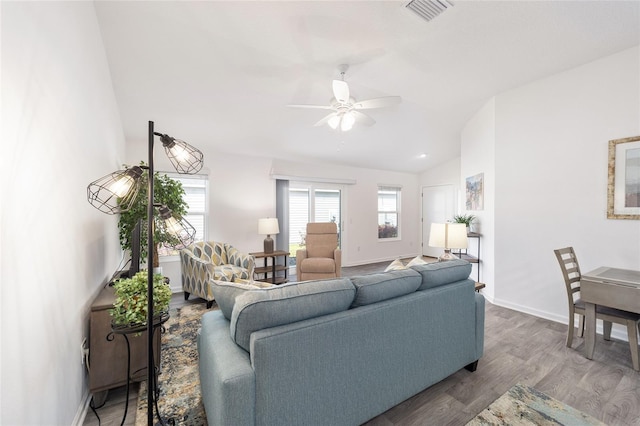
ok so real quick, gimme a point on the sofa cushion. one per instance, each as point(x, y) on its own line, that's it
point(396, 265)
point(284, 304)
point(437, 274)
point(225, 293)
point(318, 265)
point(387, 285)
point(227, 272)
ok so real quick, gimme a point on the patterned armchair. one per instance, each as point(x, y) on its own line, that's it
point(206, 260)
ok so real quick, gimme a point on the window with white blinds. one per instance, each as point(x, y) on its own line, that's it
point(388, 212)
point(196, 195)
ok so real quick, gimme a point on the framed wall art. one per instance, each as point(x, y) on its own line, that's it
point(475, 192)
point(623, 188)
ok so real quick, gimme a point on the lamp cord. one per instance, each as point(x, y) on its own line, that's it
point(94, 408)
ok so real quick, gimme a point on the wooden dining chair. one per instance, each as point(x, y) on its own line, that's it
point(572, 276)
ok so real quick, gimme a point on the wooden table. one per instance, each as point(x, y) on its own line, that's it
point(272, 269)
point(613, 287)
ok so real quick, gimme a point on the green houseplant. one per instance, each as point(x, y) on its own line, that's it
point(168, 192)
point(467, 219)
point(130, 306)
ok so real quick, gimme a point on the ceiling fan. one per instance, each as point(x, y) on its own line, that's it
point(346, 110)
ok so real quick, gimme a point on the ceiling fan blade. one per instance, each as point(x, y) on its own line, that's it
point(362, 118)
point(311, 106)
point(382, 102)
point(325, 120)
point(341, 91)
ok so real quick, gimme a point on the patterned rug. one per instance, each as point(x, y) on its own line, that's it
point(522, 405)
point(179, 382)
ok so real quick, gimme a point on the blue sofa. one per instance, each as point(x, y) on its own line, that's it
point(337, 351)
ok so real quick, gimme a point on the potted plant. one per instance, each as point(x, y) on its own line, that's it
point(130, 307)
point(467, 219)
point(168, 192)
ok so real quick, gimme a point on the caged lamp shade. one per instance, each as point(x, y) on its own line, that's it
point(185, 158)
point(268, 226)
point(115, 192)
point(448, 236)
point(182, 231)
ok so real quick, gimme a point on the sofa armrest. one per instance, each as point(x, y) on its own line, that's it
point(479, 324)
point(241, 260)
point(227, 379)
point(196, 266)
point(187, 255)
point(337, 256)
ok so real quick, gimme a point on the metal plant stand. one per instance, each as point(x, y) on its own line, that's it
point(125, 331)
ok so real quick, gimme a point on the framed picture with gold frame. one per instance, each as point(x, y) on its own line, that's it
point(623, 188)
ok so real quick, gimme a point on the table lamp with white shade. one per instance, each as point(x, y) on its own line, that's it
point(268, 226)
point(448, 236)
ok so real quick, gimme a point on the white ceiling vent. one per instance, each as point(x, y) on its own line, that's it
point(428, 9)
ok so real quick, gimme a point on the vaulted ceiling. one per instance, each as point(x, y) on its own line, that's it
point(220, 74)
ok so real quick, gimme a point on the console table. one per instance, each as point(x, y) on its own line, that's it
point(273, 268)
point(470, 258)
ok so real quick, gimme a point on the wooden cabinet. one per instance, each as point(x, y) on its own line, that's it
point(274, 271)
point(108, 351)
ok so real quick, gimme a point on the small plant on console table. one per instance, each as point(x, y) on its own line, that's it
point(467, 219)
point(130, 306)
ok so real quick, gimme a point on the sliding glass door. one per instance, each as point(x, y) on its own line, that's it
point(312, 202)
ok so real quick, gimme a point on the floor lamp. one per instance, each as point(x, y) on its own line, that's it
point(116, 193)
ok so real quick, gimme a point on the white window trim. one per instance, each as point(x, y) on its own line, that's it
point(398, 190)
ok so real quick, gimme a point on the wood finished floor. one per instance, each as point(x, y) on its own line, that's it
point(519, 348)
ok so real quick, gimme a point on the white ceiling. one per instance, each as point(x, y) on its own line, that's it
point(219, 74)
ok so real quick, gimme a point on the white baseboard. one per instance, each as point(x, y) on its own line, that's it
point(616, 333)
point(81, 414)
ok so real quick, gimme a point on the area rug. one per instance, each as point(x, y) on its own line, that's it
point(180, 398)
point(523, 405)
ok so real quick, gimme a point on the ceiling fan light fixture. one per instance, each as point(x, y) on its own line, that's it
point(334, 121)
point(345, 108)
point(347, 122)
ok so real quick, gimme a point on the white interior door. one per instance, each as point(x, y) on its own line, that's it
point(438, 206)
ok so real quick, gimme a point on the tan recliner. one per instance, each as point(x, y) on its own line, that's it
point(321, 257)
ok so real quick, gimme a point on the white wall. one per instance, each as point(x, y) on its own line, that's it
point(551, 179)
point(478, 148)
point(445, 174)
point(61, 130)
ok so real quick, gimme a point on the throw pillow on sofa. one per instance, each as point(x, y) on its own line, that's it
point(226, 292)
point(288, 303)
point(418, 260)
point(396, 265)
point(375, 288)
point(439, 273)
